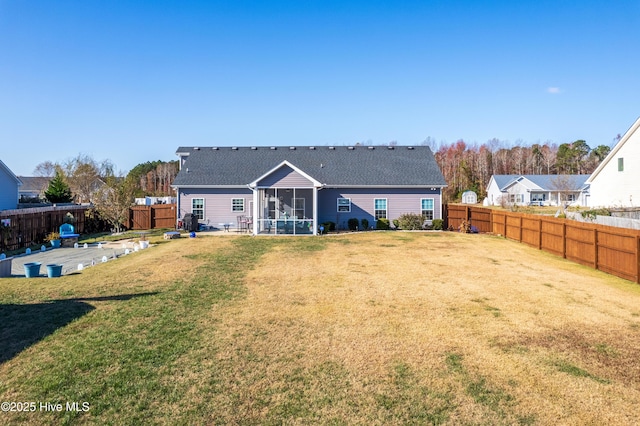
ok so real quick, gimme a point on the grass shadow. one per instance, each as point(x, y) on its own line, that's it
point(22, 325)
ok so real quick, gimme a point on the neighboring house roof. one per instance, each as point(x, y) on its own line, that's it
point(9, 173)
point(331, 166)
point(614, 152)
point(34, 184)
point(541, 182)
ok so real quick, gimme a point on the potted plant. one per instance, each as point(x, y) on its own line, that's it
point(53, 238)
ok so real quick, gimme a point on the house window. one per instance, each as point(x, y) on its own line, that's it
point(571, 198)
point(298, 208)
point(237, 204)
point(537, 197)
point(344, 205)
point(197, 207)
point(516, 198)
point(426, 208)
point(380, 208)
point(621, 164)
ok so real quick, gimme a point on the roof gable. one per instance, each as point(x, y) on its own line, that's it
point(285, 173)
point(8, 172)
point(615, 151)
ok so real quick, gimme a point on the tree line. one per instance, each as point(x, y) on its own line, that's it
point(470, 166)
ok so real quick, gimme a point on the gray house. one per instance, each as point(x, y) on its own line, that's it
point(292, 190)
point(9, 184)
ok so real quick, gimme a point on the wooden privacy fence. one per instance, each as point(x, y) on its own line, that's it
point(152, 217)
point(24, 227)
point(606, 248)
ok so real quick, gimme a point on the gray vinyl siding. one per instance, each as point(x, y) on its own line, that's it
point(285, 177)
point(217, 204)
point(399, 201)
point(8, 191)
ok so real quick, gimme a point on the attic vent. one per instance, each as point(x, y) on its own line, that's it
point(332, 147)
point(409, 147)
point(273, 148)
point(312, 147)
point(234, 148)
point(292, 148)
point(389, 147)
point(350, 148)
point(195, 148)
point(215, 148)
point(371, 148)
point(253, 148)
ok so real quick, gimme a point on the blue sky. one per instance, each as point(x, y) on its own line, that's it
point(130, 81)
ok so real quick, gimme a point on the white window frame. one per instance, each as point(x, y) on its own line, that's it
point(340, 208)
point(196, 210)
point(376, 210)
point(432, 209)
point(233, 205)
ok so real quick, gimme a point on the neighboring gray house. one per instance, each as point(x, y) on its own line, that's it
point(9, 184)
point(292, 190)
point(543, 190)
point(33, 187)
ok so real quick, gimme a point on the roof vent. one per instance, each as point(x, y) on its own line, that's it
point(253, 148)
point(234, 148)
point(371, 148)
point(332, 147)
point(292, 148)
point(350, 148)
point(273, 148)
point(195, 148)
point(312, 147)
point(215, 148)
point(390, 147)
point(409, 147)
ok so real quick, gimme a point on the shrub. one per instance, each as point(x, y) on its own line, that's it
point(438, 224)
point(365, 223)
point(352, 224)
point(52, 236)
point(591, 214)
point(329, 226)
point(411, 221)
point(396, 223)
point(382, 224)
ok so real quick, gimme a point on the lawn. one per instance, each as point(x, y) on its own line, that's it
point(364, 328)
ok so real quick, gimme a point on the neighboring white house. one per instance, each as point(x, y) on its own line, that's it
point(543, 190)
point(9, 184)
point(616, 181)
point(149, 201)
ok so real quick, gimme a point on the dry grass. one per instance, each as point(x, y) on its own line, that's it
point(367, 328)
point(534, 338)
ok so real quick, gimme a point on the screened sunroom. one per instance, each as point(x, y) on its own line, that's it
point(285, 202)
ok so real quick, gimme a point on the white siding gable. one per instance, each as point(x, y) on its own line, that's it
point(611, 187)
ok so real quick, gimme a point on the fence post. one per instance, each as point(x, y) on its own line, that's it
point(520, 228)
point(595, 248)
point(564, 239)
point(638, 259)
point(539, 233)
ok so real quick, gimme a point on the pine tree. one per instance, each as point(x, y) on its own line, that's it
point(58, 190)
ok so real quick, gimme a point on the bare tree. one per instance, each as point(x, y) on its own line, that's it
point(113, 200)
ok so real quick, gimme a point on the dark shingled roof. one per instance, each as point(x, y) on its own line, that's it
point(331, 166)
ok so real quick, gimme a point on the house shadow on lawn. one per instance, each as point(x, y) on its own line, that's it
point(24, 325)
